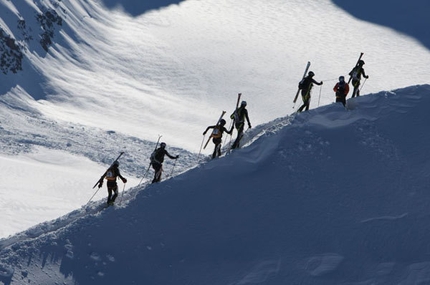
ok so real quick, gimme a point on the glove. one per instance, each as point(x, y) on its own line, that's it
point(124, 180)
point(321, 83)
point(100, 184)
point(249, 126)
point(177, 157)
point(204, 133)
point(367, 76)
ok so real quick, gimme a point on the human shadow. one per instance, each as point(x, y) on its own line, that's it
point(408, 17)
point(138, 7)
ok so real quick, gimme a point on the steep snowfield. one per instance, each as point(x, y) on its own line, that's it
point(116, 77)
point(331, 196)
point(326, 197)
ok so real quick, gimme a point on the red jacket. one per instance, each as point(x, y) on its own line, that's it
point(337, 89)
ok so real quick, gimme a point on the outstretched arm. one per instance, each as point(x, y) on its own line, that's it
point(171, 156)
point(247, 119)
point(124, 180)
point(210, 127)
point(317, 83)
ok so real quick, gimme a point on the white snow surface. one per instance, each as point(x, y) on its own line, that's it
point(328, 196)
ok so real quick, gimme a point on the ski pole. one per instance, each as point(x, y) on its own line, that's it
point(122, 195)
point(363, 83)
point(201, 146)
point(174, 164)
point(144, 175)
point(231, 135)
point(319, 97)
point(92, 196)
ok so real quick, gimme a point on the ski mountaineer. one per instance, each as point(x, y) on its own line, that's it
point(111, 175)
point(239, 117)
point(356, 74)
point(341, 89)
point(157, 159)
point(217, 133)
point(306, 85)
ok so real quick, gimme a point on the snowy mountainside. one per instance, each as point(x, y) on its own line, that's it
point(23, 128)
point(331, 196)
point(50, 166)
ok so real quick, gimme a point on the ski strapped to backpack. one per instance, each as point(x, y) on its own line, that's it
point(350, 77)
point(150, 158)
point(101, 178)
point(304, 75)
point(235, 116)
point(222, 114)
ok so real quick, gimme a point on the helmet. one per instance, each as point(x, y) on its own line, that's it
point(222, 122)
point(163, 145)
point(243, 103)
point(115, 163)
point(311, 73)
point(361, 62)
point(341, 78)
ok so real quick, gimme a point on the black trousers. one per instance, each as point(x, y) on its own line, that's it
point(158, 168)
point(112, 187)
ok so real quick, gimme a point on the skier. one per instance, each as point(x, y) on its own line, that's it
point(239, 117)
point(111, 175)
point(157, 159)
point(217, 132)
point(341, 89)
point(356, 74)
point(306, 85)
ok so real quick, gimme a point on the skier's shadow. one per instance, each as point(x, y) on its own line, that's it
point(138, 7)
point(408, 17)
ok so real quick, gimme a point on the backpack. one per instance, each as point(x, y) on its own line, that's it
point(355, 73)
point(238, 115)
point(153, 157)
point(111, 174)
point(302, 84)
point(216, 133)
point(305, 83)
point(341, 89)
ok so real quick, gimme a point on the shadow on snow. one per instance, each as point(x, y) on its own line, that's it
point(407, 17)
point(138, 7)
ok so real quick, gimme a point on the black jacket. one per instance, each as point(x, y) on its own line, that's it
point(158, 155)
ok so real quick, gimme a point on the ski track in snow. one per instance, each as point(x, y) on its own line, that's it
point(384, 218)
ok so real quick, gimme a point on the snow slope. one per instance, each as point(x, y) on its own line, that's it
point(119, 73)
point(330, 196)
